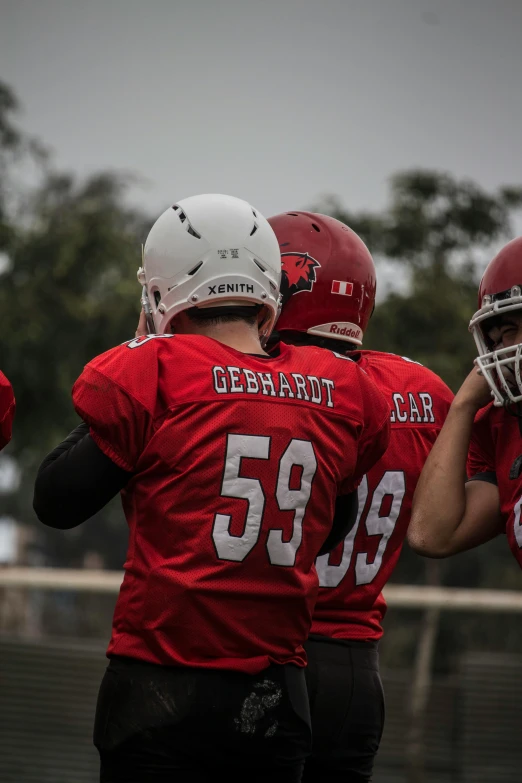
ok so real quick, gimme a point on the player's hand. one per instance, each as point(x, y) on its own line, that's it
point(141, 331)
point(474, 392)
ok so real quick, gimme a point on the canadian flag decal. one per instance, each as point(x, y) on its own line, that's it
point(338, 287)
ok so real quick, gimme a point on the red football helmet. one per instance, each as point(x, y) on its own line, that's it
point(328, 279)
point(500, 291)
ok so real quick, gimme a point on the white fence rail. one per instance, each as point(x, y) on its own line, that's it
point(398, 596)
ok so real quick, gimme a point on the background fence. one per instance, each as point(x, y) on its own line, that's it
point(468, 714)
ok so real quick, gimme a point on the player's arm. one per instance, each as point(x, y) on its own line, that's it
point(346, 508)
point(98, 459)
point(75, 481)
point(450, 514)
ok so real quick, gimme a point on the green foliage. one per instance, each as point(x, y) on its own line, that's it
point(441, 231)
point(15, 147)
point(429, 323)
point(10, 141)
point(432, 218)
point(70, 292)
point(10, 136)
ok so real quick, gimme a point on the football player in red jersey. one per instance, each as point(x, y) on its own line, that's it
point(7, 410)
point(230, 461)
point(329, 285)
point(450, 514)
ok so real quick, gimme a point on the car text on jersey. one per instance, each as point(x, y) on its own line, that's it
point(412, 408)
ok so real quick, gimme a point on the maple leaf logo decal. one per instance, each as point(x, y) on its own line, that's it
point(297, 273)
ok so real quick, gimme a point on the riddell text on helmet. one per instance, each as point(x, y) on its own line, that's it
point(309, 388)
point(346, 331)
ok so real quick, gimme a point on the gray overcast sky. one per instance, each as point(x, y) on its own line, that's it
point(276, 101)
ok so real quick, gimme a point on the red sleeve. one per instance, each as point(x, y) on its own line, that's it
point(116, 395)
point(7, 410)
point(481, 454)
point(375, 436)
point(444, 397)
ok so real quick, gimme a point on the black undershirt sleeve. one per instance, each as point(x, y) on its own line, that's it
point(487, 475)
point(75, 481)
point(345, 516)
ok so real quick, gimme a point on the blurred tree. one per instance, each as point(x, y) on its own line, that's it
point(441, 231)
point(15, 146)
point(68, 291)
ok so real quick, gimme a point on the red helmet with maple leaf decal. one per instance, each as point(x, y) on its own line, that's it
point(328, 279)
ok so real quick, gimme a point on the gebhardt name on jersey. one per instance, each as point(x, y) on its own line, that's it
point(309, 388)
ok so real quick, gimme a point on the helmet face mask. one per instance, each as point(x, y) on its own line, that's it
point(210, 251)
point(501, 367)
point(500, 293)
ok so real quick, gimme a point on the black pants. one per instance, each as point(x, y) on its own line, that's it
point(156, 724)
point(347, 708)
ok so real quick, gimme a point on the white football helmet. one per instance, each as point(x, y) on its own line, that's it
point(210, 251)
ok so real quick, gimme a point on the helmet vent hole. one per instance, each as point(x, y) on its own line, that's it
point(315, 227)
point(198, 266)
point(260, 265)
point(254, 212)
point(254, 230)
point(192, 232)
point(183, 219)
point(157, 298)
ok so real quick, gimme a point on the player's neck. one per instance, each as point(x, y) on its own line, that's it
point(240, 336)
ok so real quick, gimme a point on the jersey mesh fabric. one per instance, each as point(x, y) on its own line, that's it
point(495, 446)
point(350, 603)
point(7, 410)
point(209, 581)
point(481, 454)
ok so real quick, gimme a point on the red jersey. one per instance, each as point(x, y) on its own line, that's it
point(496, 445)
point(238, 460)
point(350, 604)
point(7, 410)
